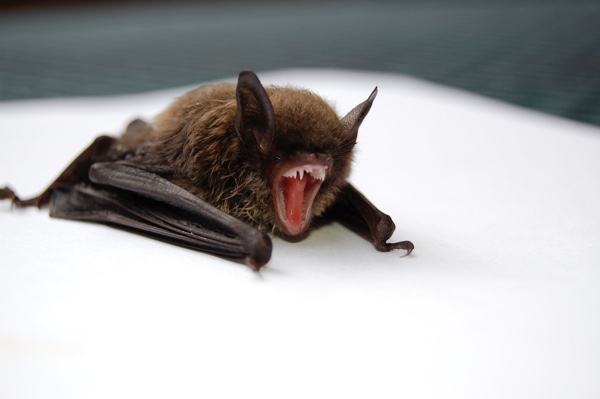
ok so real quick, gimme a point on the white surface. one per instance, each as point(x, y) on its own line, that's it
point(499, 299)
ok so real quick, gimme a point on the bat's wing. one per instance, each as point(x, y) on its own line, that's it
point(140, 199)
point(137, 198)
point(356, 212)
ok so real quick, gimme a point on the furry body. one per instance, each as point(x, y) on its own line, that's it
point(196, 136)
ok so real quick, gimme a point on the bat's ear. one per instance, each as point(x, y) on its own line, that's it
point(254, 118)
point(351, 122)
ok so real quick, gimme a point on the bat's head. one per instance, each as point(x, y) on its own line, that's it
point(304, 148)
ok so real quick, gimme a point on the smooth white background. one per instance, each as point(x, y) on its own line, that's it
point(499, 299)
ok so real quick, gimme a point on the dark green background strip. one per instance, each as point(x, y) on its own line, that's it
point(543, 55)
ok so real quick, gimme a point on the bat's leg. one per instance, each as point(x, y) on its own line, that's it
point(359, 214)
point(76, 172)
point(7, 193)
point(140, 199)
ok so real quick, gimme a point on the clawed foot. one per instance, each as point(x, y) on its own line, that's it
point(405, 245)
point(7, 193)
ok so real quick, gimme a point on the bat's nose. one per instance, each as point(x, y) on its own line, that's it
point(314, 158)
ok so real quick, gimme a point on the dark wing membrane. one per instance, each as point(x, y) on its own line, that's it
point(140, 200)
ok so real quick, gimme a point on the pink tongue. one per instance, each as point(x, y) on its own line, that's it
point(294, 194)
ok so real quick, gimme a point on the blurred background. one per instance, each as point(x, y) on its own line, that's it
point(544, 55)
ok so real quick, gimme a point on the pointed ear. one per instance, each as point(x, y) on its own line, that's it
point(254, 118)
point(352, 121)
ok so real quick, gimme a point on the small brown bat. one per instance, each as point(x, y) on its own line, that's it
point(219, 168)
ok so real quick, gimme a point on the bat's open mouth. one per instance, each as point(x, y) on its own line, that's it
point(295, 190)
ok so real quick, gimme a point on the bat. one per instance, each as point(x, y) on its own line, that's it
point(221, 168)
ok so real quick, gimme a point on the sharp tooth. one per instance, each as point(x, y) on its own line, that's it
point(318, 174)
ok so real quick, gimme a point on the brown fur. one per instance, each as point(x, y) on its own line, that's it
point(197, 138)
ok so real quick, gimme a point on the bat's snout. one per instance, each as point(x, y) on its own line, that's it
point(295, 186)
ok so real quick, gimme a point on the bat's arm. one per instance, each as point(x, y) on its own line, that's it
point(356, 212)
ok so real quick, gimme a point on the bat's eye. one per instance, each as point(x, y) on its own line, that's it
point(277, 158)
